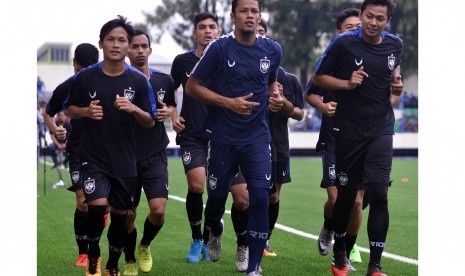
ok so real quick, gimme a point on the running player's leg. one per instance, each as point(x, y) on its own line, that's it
point(240, 218)
point(378, 165)
point(155, 185)
point(193, 152)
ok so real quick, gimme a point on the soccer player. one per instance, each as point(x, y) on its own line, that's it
point(85, 55)
point(110, 97)
point(361, 66)
point(292, 93)
point(236, 76)
point(152, 163)
point(324, 100)
point(188, 125)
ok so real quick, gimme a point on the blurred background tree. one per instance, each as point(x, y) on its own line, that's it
point(302, 27)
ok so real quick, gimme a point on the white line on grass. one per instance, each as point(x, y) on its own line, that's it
point(313, 237)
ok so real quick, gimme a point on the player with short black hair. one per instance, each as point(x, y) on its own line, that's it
point(152, 163)
point(239, 72)
point(363, 67)
point(110, 97)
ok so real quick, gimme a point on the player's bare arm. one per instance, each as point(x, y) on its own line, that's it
point(333, 83)
point(316, 101)
point(93, 111)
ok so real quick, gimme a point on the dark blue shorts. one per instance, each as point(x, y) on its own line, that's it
point(152, 175)
point(329, 168)
point(193, 151)
point(74, 168)
point(281, 173)
point(361, 162)
point(119, 191)
point(224, 161)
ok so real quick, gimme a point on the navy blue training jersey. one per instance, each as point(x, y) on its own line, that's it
point(110, 143)
point(193, 111)
point(278, 122)
point(55, 105)
point(235, 70)
point(151, 141)
point(366, 111)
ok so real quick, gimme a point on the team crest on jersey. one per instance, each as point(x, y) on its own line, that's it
point(129, 94)
point(161, 94)
point(391, 61)
point(75, 176)
point(332, 172)
point(186, 158)
point(212, 182)
point(89, 185)
point(264, 65)
point(343, 179)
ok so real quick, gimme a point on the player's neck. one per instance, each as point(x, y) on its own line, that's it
point(144, 69)
point(113, 68)
point(199, 50)
point(245, 38)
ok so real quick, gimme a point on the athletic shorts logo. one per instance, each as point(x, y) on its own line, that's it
point(343, 179)
point(161, 94)
point(267, 176)
point(92, 95)
point(332, 172)
point(284, 173)
point(188, 75)
point(75, 176)
point(358, 63)
point(186, 158)
point(212, 182)
point(129, 94)
point(264, 65)
point(391, 61)
point(89, 185)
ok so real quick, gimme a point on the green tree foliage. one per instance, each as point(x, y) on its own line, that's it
point(302, 27)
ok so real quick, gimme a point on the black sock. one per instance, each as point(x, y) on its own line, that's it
point(130, 246)
point(273, 212)
point(206, 233)
point(378, 220)
point(240, 220)
point(150, 232)
point(350, 241)
point(94, 228)
point(214, 211)
point(80, 219)
point(194, 208)
point(117, 235)
point(341, 215)
point(328, 224)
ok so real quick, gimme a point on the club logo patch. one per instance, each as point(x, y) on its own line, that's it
point(75, 176)
point(343, 179)
point(186, 158)
point(391, 61)
point(212, 181)
point(89, 186)
point(161, 94)
point(332, 172)
point(129, 94)
point(264, 65)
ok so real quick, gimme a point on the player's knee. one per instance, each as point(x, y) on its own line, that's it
point(196, 187)
point(81, 206)
point(241, 204)
point(377, 194)
point(274, 197)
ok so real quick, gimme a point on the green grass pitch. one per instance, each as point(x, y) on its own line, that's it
point(301, 208)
